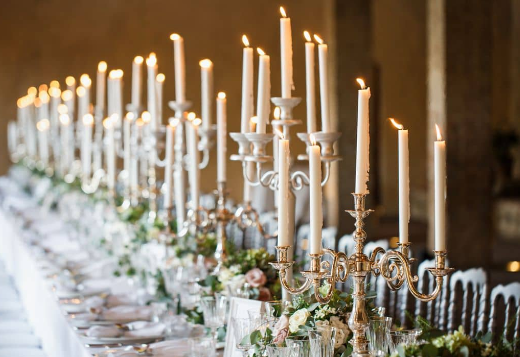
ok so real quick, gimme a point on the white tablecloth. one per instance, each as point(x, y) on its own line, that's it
point(43, 311)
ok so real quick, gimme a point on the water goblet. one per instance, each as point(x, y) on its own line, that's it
point(279, 351)
point(203, 347)
point(304, 345)
point(377, 335)
point(322, 341)
point(402, 337)
point(214, 312)
point(242, 329)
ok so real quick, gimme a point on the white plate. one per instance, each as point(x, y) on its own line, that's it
point(123, 340)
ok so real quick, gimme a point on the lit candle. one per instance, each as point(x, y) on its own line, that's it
point(100, 86)
point(68, 99)
point(134, 171)
point(159, 83)
point(221, 137)
point(136, 82)
point(180, 68)
point(44, 99)
point(12, 136)
point(151, 63)
point(276, 128)
point(71, 86)
point(286, 53)
point(115, 97)
point(86, 83)
point(324, 84)
point(439, 155)
point(264, 91)
point(109, 124)
point(207, 96)
point(65, 142)
point(193, 152)
point(127, 145)
point(86, 145)
point(310, 83)
point(82, 105)
point(404, 182)
point(168, 168)
point(55, 94)
point(283, 192)
point(43, 144)
point(316, 214)
point(363, 140)
point(247, 85)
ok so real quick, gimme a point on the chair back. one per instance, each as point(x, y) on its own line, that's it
point(433, 311)
point(377, 283)
point(511, 296)
point(346, 244)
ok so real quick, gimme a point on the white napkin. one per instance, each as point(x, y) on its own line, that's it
point(145, 329)
point(104, 331)
point(127, 313)
point(171, 348)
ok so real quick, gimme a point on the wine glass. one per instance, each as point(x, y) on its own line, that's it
point(377, 334)
point(263, 323)
point(214, 310)
point(322, 341)
point(242, 329)
point(279, 351)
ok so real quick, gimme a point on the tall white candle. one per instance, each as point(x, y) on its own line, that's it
point(86, 83)
point(151, 63)
point(65, 135)
point(115, 98)
point(439, 155)
point(310, 83)
point(276, 139)
point(68, 100)
point(12, 136)
point(180, 68)
point(127, 145)
point(82, 104)
point(247, 86)
point(168, 168)
point(207, 93)
point(363, 139)
point(324, 84)
point(86, 145)
point(404, 182)
point(286, 53)
point(316, 214)
point(221, 137)
point(109, 125)
point(71, 86)
point(159, 83)
point(193, 152)
point(134, 171)
point(101, 86)
point(283, 193)
point(137, 65)
point(264, 91)
point(43, 143)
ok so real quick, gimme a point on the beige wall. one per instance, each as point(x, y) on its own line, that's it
point(45, 40)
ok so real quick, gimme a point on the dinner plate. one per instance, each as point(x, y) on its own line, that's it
point(114, 340)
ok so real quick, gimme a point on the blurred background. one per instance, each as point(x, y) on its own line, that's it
point(455, 63)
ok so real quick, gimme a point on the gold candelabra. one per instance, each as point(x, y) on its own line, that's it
point(392, 265)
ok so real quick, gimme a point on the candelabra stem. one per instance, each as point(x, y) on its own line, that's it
point(222, 217)
point(358, 321)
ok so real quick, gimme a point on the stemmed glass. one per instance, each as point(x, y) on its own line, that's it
point(279, 351)
point(322, 341)
point(377, 334)
point(215, 311)
point(242, 329)
point(263, 323)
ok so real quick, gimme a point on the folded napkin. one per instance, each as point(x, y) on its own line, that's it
point(136, 329)
point(104, 331)
point(127, 313)
point(171, 348)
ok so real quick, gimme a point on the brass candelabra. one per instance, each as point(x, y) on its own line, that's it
point(392, 265)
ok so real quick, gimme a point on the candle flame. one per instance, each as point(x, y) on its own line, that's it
point(146, 117)
point(276, 113)
point(42, 88)
point(318, 39)
point(196, 121)
point(43, 125)
point(151, 60)
point(206, 63)
point(160, 78)
point(32, 91)
point(260, 51)
point(66, 95)
point(245, 41)
point(191, 116)
point(174, 122)
point(70, 81)
point(116, 74)
point(54, 92)
point(175, 37)
point(279, 133)
point(107, 122)
point(102, 66)
point(81, 91)
point(254, 119)
point(307, 36)
point(85, 80)
point(221, 95)
point(138, 59)
point(361, 83)
point(64, 119)
point(139, 122)
point(130, 116)
point(282, 12)
point(438, 130)
point(20, 103)
point(63, 109)
point(55, 84)
point(88, 119)
point(396, 124)
point(312, 139)
point(44, 97)
point(37, 102)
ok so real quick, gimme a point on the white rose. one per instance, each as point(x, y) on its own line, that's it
point(298, 319)
point(225, 275)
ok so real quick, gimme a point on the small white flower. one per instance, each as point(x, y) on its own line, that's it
point(236, 282)
point(298, 319)
point(225, 275)
point(235, 269)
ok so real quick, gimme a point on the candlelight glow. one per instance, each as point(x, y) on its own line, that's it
point(55, 84)
point(70, 81)
point(276, 113)
point(438, 130)
point(221, 95)
point(116, 74)
point(130, 116)
point(318, 39)
point(44, 97)
point(192, 116)
point(85, 80)
point(174, 122)
point(245, 41)
point(146, 116)
point(282, 12)
point(32, 91)
point(138, 59)
point(254, 120)
point(307, 36)
point(107, 123)
point(139, 122)
point(260, 51)
point(66, 95)
point(102, 66)
point(196, 121)
point(88, 119)
point(20, 103)
point(151, 60)
point(175, 37)
point(206, 63)
point(37, 102)
point(81, 91)
point(43, 125)
point(513, 266)
point(42, 88)
point(279, 133)
point(312, 139)
point(64, 119)
point(160, 78)
point(361, 83)
point(396, 124)
point(54, 92)
point(63, 109)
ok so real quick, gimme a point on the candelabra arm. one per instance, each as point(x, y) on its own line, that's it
point(205, 159)
point(158, 161)
point(90, 186)
point(299, 179)
point(326, 175)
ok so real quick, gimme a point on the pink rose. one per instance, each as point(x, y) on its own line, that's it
point(256, 278)
point(281, 330)
point(264, 294)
